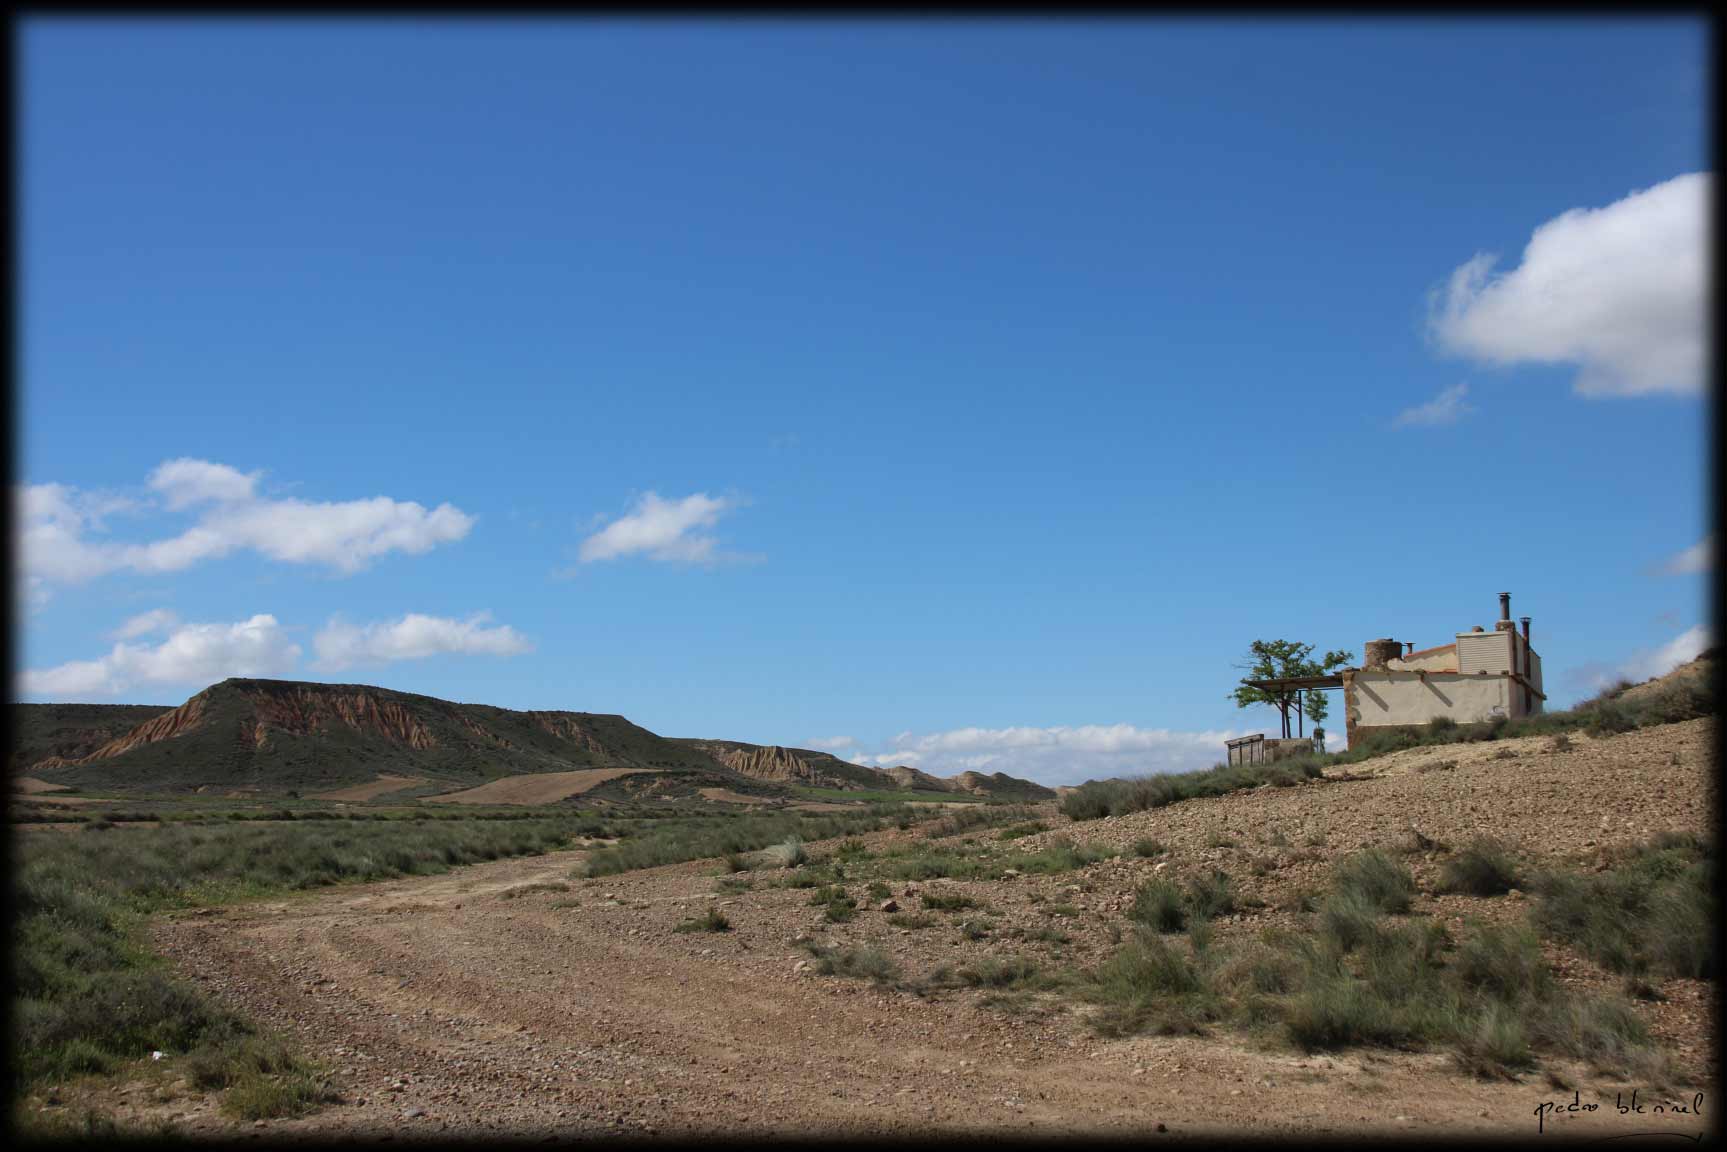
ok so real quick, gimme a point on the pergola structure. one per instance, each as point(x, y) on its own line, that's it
point(1299, 685)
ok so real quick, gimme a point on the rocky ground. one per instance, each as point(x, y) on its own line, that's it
point(493, 1000)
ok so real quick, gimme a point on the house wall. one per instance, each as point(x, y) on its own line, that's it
point(1502, 651)
point(1484, 651)
point(1443, 660)
point(1379, 699)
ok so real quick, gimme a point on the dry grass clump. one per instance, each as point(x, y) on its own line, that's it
point(1652, 913)
point(712, 920)
point(1153, 986)
point(1483, 868)
point(1160, 906)
point(788, 853)
point(864, 963)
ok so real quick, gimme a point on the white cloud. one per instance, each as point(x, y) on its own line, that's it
point(834, 743)
point(192, 654)
point(345, 536)
point(1618, 291)
point(155, 620)
point(1700, 557)
point(663, 529)
point(186, 481)
point(1055, 755)
point(1682, 649)
point(1446, 408)
point(57, 523)
point(53, 520)
point(414, 637)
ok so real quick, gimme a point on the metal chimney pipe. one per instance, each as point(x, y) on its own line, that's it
point(1505, 605)
point(1408, 647)
point(1528, 688)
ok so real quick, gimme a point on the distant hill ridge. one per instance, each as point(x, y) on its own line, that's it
point(43, 733)
point(279, 735)
point(825, 770)
point(285, 734)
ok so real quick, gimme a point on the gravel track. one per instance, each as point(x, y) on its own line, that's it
point(468, 1004)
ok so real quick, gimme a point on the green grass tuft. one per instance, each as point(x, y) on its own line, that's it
point(1483, 868)
point(1376, 879)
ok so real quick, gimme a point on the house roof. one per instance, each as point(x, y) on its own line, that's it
point(1428, 651)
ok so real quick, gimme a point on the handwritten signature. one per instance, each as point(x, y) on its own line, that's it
point(1626, 1108)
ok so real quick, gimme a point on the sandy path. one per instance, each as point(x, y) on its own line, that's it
point(446, 1009)
point(360, 793)
point(727, 796)
point(536, 788)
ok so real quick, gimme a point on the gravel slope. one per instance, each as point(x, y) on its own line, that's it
point(447, 1007)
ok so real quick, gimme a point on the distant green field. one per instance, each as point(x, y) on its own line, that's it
point(887, 795)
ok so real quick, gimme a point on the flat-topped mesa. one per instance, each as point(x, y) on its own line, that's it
point(288, 735)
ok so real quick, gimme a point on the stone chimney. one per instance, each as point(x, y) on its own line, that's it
point(1377, 652)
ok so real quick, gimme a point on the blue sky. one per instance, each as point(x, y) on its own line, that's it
point(971, 392)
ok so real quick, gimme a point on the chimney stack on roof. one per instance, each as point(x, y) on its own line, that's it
point(1504, 624)
point(1377, 652)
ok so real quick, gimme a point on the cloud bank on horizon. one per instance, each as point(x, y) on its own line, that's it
point(1055, 755)
point(194, 656)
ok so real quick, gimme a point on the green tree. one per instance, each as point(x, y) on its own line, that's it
point(1283, 660)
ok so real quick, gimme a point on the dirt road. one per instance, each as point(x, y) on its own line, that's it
point(448, 1007)
point(536, 788)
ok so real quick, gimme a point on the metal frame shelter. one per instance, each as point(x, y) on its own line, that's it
point(1299, 685)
